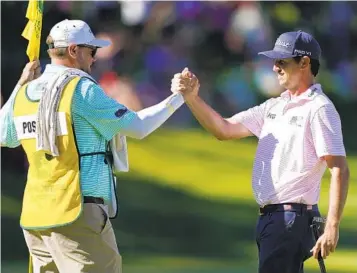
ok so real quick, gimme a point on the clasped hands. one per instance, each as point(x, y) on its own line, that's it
point(185, 83)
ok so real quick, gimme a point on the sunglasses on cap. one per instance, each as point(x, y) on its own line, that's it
point(93, 48)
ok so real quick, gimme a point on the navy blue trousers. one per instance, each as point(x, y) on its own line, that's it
point(284, 241)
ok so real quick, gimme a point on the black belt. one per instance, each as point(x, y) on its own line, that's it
point(95, 200)
point(287, 207)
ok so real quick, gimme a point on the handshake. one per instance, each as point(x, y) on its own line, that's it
point(185, 83)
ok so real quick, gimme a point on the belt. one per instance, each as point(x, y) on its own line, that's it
point(95, 200)
point(287, 207)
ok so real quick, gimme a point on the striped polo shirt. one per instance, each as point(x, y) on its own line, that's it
point(294, 133)
point(94, 124)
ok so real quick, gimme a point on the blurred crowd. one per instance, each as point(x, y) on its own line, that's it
point(217, 40)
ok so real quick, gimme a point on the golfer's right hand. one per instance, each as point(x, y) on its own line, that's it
point(186, 83)
point(31, 71)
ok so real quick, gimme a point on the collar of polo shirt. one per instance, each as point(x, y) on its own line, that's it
point(309, 94)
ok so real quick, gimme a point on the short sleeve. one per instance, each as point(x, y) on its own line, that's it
point(327, 132)
point(102, 112)
point(253, 118)
point(8, 128)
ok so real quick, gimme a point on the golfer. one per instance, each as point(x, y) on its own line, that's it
point(299, 136)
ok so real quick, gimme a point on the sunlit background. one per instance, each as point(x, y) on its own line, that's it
point(186, 206)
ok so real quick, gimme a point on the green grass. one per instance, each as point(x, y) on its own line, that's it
point(186, 207)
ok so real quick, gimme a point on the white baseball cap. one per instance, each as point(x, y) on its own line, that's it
point(75, 32)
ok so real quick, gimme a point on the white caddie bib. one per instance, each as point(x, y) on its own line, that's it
point(26, 126)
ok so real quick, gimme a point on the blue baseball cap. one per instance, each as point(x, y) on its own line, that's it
point(293, 44)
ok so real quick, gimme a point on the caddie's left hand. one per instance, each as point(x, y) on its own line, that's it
point(31, 71)
point(327, 242)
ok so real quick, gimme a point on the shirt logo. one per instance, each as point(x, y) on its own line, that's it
point(296, 121)
point(120, 112)
point(271, 116)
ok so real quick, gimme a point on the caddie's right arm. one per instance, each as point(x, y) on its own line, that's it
point(7, 125)
point(31, 71)
point(110, 117)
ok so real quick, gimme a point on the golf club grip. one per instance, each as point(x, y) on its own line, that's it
point(319, 257)
point(321, 264)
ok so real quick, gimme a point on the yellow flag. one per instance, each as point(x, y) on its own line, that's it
point(32, 31)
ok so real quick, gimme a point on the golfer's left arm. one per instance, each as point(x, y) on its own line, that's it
point(338, 188)
point(328, 140)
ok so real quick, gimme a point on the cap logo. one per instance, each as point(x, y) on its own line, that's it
point(303, 52)
point(282, 43)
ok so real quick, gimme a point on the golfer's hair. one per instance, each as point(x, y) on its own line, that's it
point(60, 52)
point(315, 65)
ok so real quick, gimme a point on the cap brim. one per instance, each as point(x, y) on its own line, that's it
point(276, 55)
point(100, 43)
